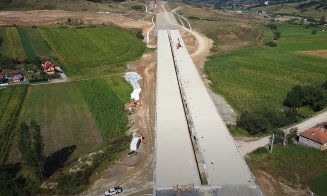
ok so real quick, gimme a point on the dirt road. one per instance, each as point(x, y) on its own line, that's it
point(247, 147)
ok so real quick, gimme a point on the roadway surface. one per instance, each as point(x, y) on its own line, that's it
point(226, 170)
point(175, 161)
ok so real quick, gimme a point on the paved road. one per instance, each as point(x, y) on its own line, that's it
point(247, 147)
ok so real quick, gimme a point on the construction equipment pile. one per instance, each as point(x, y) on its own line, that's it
point(133, 78)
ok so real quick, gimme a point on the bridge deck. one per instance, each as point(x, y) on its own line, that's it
point(175, 161)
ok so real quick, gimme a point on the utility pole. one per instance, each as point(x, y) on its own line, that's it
point(272, 143)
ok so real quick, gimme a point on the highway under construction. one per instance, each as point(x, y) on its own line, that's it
point(191, 136)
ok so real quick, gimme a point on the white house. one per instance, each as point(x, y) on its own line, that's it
point(315, 138)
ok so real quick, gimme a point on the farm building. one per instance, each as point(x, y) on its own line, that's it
point(315, 138)
point(49, 67)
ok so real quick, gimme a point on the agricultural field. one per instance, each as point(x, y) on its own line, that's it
point(291, 164)
point(260, 77)
point(295, 9)
point(11, 99)
point(4, 48)
point(15, 44)
point(92, 51)
point(64, 117)
point(107, 109)
point(27, 45)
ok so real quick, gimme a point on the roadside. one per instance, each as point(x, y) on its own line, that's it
point(135, 174)
point(247, 147)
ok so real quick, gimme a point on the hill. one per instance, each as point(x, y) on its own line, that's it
point(72, 5)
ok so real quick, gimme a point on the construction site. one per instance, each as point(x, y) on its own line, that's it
point(208, 158)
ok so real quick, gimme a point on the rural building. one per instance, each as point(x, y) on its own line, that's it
point(315, 138)
point(49, 67)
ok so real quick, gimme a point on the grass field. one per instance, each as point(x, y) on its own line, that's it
point(39, 46)
point(291, 164)
point(64, 117)
point(318, 184)
point(11, 99)
point(15, 44)
point(257, 77)
point(292, 9)
point(4, 49)
point(80, 50)
point(30, 54)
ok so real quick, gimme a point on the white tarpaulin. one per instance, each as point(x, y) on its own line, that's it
point(133, 78)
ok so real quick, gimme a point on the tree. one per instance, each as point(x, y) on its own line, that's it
point(314, 32)
point(31, 147)
point(294, 97)
point(277, 35)
point(323, 20)
point(253, 123)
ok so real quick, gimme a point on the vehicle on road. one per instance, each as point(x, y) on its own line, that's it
point(114, 191)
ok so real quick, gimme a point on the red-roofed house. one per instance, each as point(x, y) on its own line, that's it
point(314, 137)
point(49, 67)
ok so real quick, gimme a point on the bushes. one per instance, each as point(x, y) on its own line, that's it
point(105, 106)
point(313, 96)
point(137, 7)
point(266, 120)
point(271, 44)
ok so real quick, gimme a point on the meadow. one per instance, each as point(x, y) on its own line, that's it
point(261, 76)
point(64, 117)
point(11, 99)
point(290, 164)
point(15, 44)
point(92, 51)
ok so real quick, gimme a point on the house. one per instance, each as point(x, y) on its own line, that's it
point(315, 137)
point(49, 67)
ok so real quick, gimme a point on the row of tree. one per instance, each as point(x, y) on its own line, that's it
point(312, 96)
point(267, 120)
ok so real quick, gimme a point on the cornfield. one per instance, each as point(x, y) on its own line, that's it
point(105, 106)
point(11, 100)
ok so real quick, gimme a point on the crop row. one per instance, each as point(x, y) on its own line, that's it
point(260, 77)
point(26, 43)
point(105, 106)
point(11, 100)
point(16, 48)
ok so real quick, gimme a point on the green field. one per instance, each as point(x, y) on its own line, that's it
point(15, 44)
point(93, 51)
point(64, 117)
point(291, 164)
point(105, 106)
point(11, 99)
point(39, 46)
point(318, 184)
point(30, 54)
point(258, 77)
point(4, 48)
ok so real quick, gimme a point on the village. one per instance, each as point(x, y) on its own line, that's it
point(46, 71)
